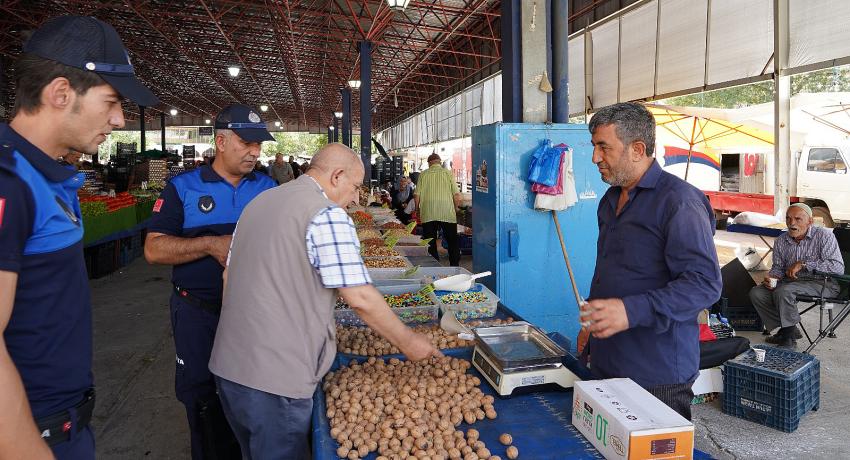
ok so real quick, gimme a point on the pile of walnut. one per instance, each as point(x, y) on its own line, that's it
point(364, 341)
point(403, 409)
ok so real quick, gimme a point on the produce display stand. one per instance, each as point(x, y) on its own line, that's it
point(540, 422)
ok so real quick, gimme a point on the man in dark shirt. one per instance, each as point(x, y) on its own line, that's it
point(191, 228)
point(656, 264)
point(71, 78)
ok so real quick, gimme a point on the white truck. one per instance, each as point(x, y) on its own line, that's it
point(744, 181)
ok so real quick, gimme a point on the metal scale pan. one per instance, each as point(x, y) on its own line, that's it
point(519, 355)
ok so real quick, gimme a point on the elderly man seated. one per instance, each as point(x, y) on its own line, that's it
point(799, 251)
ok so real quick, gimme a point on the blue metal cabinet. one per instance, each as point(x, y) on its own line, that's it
point(520, 245)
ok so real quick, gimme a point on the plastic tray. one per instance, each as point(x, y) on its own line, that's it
point(743, 318)
point(422, 274)
point(412, 251)
point(473, 310)
point(403, 259)
point(775, 393)
point(418, 314)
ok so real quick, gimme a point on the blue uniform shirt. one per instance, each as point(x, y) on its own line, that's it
point(49, 335)
point(658, 256)
point(201, 203)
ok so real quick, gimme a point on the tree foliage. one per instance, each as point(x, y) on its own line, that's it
point(822, 81)
point(298, 144)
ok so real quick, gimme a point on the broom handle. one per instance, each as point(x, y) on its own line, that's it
point(567, 259)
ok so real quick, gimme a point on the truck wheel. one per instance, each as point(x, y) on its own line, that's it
point(823, 213)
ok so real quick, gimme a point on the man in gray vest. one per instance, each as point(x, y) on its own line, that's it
point(276, 336)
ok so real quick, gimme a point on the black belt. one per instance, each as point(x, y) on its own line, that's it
point(57, 428)
point(212, 307)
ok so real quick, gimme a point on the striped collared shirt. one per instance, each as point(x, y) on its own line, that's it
point(436, 190)
point(818, 249)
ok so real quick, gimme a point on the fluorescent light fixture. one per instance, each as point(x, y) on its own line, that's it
point(398, 5)
point(173, 112)
point(338, 114)
point(277, 124)
point(331, 127)
point(207, 121)
point(264, 108)
point(354, 84)
point(233, 71)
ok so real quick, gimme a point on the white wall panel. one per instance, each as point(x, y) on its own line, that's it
point(575, 74)
point(820, 30)
point(740, 39)
point(605, 65)
point(681, 48)
point(637, 52)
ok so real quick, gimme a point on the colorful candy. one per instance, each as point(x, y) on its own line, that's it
point(464, 297)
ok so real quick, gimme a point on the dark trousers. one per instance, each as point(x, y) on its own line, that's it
point(677, 396)
point(79, 447)
point(429, 230)
point(194, 331)
point(267, 425)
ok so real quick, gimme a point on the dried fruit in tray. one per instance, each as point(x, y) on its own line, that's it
point(392, 225)
point(378, 251)
point(367, 233)
point(386, 262)
point(361, 218)
point(364, 341)
point(464, 297)
point(373, 242)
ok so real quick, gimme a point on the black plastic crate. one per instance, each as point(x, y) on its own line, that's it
point(103, 260)
point(744, 318)
point(775, 393)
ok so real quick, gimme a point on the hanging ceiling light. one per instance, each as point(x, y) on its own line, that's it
point(338, 114)
point(277, 124)
point(354, 84)
point(173, 112)
point(331, 127)
point(264, 108)
point(398, 5)
point(207, 121)
point(233, 71)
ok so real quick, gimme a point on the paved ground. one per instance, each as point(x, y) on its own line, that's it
point(137, 416)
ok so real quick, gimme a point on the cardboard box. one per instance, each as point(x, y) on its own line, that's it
point(624, 421)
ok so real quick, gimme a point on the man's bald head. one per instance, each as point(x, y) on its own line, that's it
point(332, 157)
point(339, 172)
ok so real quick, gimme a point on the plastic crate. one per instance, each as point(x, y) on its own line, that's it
point(102, 259)
point(775, 393)
point(464, 241)
point(419, 314)
point(476, 310)
point(742, 318)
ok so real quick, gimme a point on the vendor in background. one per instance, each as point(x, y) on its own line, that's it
point(69, 86)
point(437, 199)
point(191, 228)
point(71, 159)
point(275, 341)
point(281, 171)
point(656, 263)
point(799, 251)
point(296, 168)
point(402, 199)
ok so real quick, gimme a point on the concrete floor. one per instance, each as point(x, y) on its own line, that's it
point(137, 416)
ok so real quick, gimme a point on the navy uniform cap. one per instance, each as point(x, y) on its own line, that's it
point(244, 121)
point(90, 44)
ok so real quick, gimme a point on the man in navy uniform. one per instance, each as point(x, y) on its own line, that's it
point(71, 77)
point(191, 229)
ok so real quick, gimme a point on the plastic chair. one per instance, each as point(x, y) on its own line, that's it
point(829, 304)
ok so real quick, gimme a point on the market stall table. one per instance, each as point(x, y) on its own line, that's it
point(539, 421)
point(761, 232)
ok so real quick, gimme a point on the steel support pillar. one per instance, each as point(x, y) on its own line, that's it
point(346, 116)
point(162, 130)
point(336, 129)
point(781, 106)
point(142, 127)
point(366, 108)
point(560, 81)
point(535, 56)
point(511, 61)
point(330, 134)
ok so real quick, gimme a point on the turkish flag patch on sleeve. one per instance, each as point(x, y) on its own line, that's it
point(158, 205)
point(2, 208)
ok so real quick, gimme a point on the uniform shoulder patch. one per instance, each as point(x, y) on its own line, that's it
point(206, 204)
point(157, 206)
point(2, 208)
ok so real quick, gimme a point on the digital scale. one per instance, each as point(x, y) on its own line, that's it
point(519, 355)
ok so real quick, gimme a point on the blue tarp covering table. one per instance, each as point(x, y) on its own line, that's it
point(760, 231)
point(540, 422)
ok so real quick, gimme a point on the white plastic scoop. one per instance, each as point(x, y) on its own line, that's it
point(458, 283)
point(450, 324)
